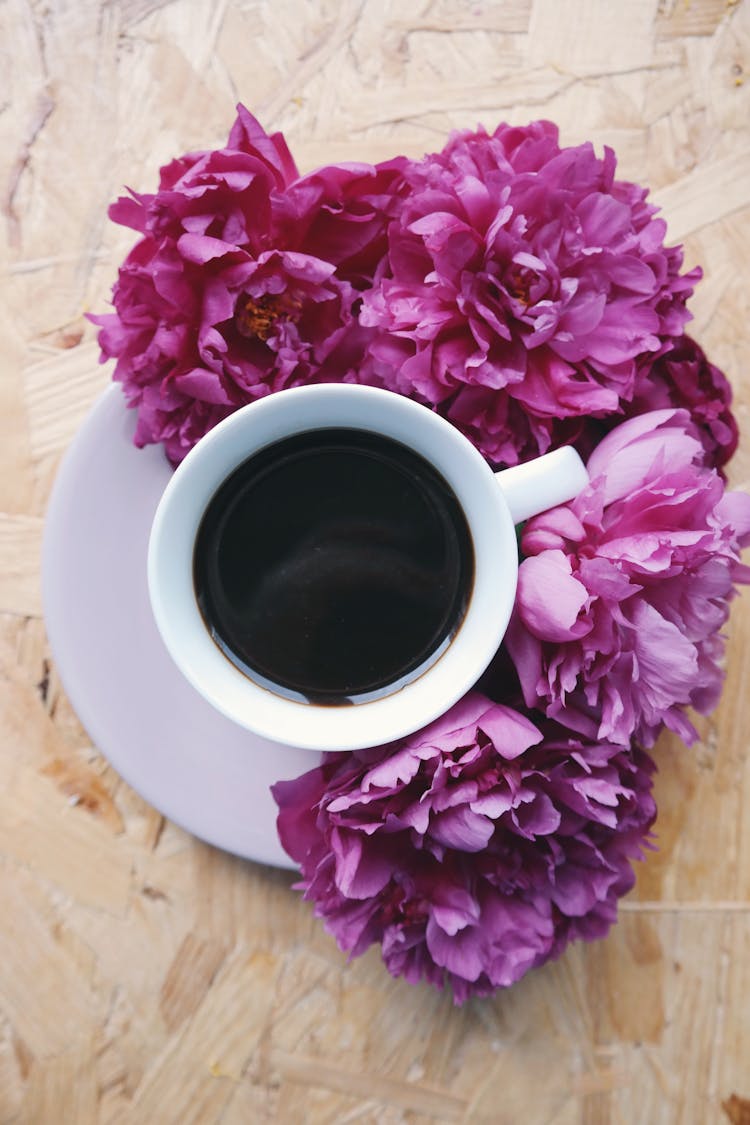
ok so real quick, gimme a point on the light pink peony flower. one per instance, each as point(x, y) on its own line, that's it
point(524, 285)
point(473, 850)
point(624, 591)
point(239, 284)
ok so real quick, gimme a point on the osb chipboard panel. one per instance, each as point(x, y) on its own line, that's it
point(146, 978)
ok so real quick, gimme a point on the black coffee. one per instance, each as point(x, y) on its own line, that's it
point(332, 565)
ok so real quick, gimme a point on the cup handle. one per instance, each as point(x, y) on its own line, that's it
point(549, 480)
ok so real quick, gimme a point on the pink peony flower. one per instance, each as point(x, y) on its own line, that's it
point(234, 194)
point(523, 286)
point(473, 850)
point(342, 212)
point(232, 291)
point(624, 591)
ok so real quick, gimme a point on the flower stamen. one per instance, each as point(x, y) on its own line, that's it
point(518, 284)
point(258, 316)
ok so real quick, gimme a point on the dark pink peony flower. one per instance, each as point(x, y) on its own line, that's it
point(342, 212)
point(473, 850)
point(234, 194)
point(683, 377)
point(233, 290)
point(524, 284)
point(624, 591)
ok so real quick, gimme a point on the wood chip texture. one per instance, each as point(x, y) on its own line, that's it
point(144, 977)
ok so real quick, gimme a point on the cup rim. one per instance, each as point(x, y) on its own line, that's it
point(247, 431)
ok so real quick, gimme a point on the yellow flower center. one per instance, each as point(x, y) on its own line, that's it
point(258, 316)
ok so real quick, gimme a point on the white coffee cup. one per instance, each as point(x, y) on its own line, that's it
point(492, 503)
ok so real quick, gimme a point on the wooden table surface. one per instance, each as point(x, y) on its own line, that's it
point(144, 976)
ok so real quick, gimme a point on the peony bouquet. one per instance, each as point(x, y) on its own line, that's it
point(523, 292)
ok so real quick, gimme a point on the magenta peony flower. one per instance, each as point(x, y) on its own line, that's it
point(234, 194)
point(232, 291)
point(624, 591)
point(524, 284)
point(473, 850)
point(342, 212)
point(683, 377)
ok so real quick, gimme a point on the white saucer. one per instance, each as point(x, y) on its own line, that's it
point(196, 767)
